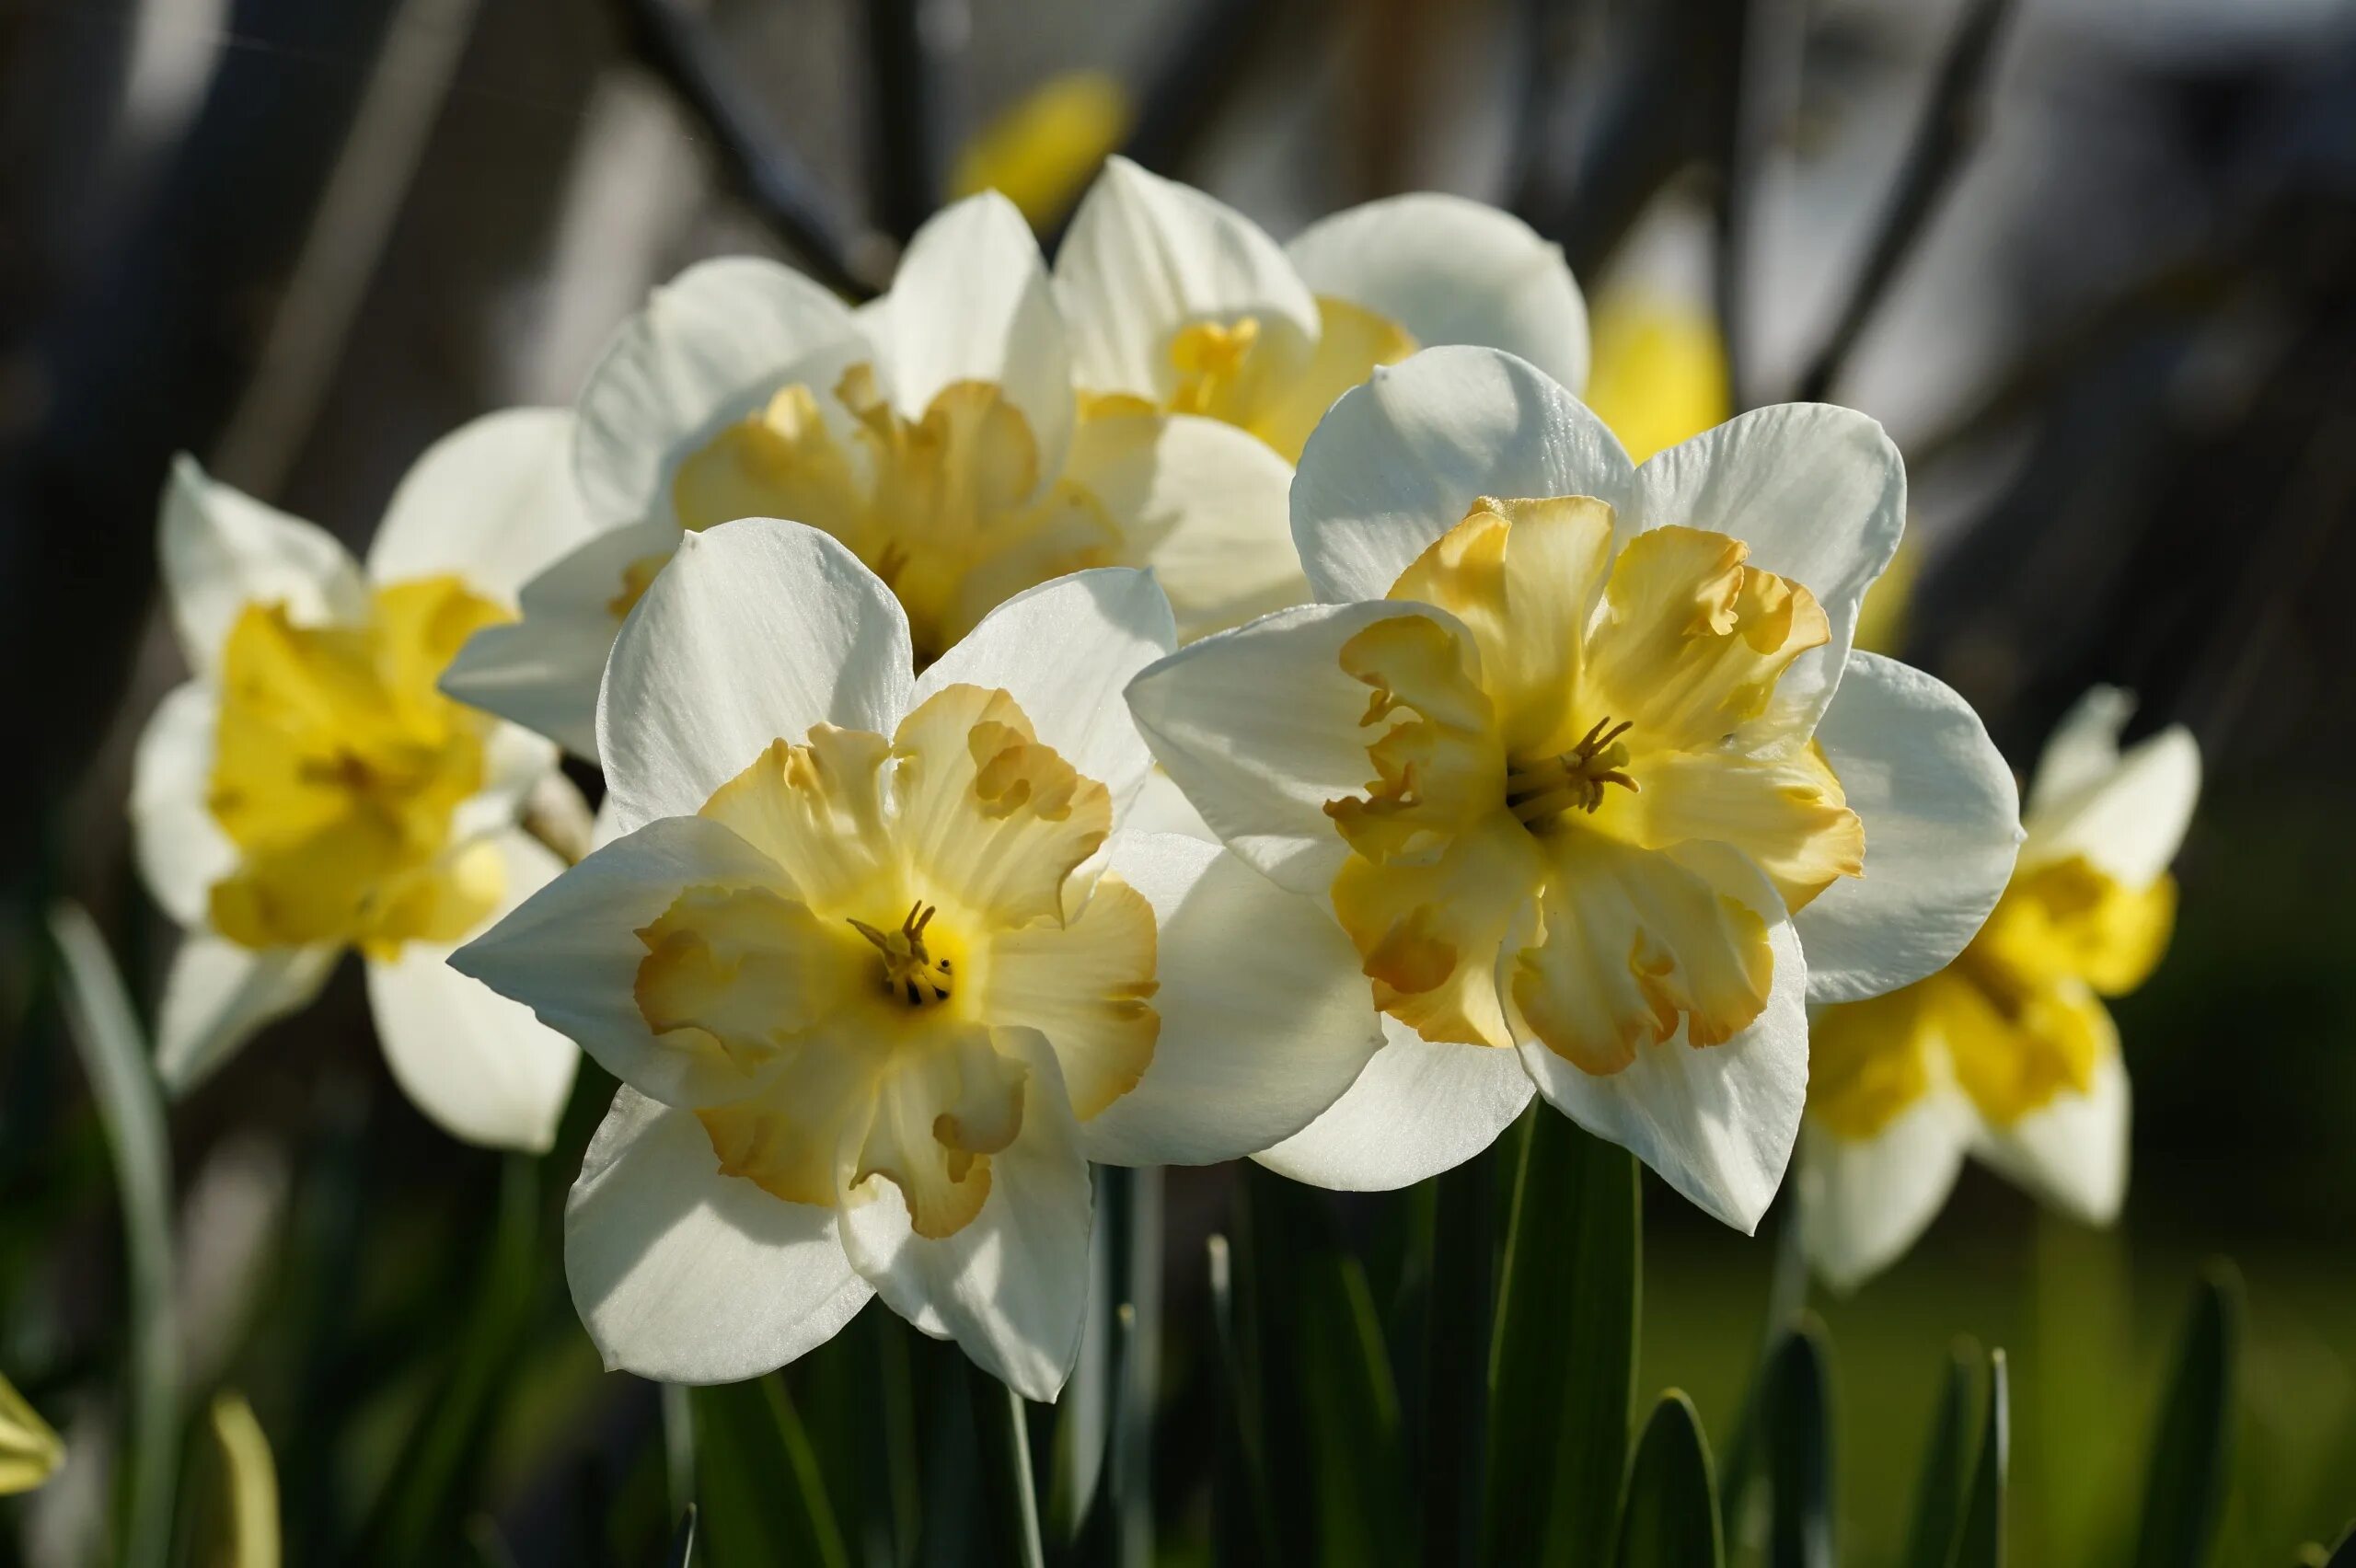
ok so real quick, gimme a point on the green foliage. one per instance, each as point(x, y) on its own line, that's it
point(1668, 1517)
point(1795, 1432)
point(1562, 1367)
point(1983, 1544)
point(1947, 1457)
point(759, 1497)
point(2186, 1483)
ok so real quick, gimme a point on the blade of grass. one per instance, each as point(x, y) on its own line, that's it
point(1669, 1517)
point(1795, 1432)
point(1982, 1544)
point(1948, 1458)
point(1562, 1363)
point(2192, 1449)
point(759, 1498)
point(122, 1082)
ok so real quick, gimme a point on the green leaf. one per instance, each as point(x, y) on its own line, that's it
point(2191, 1463)
point(1563, 1364)
point(1357, 1451)
point(1242, 1518)
point(2344, 1554)
point(1009, 1500)
point(1947, 1455)
point(1669, 1519)
point(123, 1081)
point(683, 1541)
point(1982, 1545)
point(760, 1496)
point(1795, 1432)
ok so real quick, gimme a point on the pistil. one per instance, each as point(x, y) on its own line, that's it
point(909, 970)
point(1574, 780)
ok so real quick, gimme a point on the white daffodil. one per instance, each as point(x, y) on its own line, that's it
point(308, 792)
point(932, 432)
point(882, 971)
point(1178, 302)
point(1580, 755)
point(2008, 1053)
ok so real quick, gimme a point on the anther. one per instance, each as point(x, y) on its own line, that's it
point(909, 970)
point(1574, 780)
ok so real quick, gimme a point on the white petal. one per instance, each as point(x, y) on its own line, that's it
point(1146, 256)
point(220, 551)
point(684, 1276)
point(1864, 1201)
point(1716, 1123)
point(1817, 492)
point(1260, 727)
point(542, 671)
point(1418, 1109)
point(479, 1066)
point(492, 503)
point(971, 301)
point(2125, 812)
point(2072, 1151)
point(183, 852)
point(1012, 1287)
point(1451, 270)
point(1942, 827)
point(756, 630)
point(1398, 462)
point(1204, 503)
point(710, 345)
point(1063, 651)
point(1265, 1018)
point(1161, 807)
point(571, 953)
point(218, 996)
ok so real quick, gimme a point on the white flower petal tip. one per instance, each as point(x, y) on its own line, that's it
point(1864, 1201)
point(1818, 494)
point(1941, 830)
point(1452, 271)
point(181, 850)
point(756, 630)
point(685, 1276)
point(1012, 1287)
point(2126, 812)
point(2072, 1152)
point(1418, 1109)
point(1398, 461)
point(492, 502)
point(1259, 1035)
point(1716, 1123)
point(220, 551)
point(1064, 650)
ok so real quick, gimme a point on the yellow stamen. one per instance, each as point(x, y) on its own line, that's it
point(909, 970)
point(1541, 791)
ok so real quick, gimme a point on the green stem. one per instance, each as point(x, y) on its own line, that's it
point(130, 1106)
point(1012, 1504)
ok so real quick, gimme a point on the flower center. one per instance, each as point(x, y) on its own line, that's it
point(1214, 361)
point(947, 508)
point(909, 970)
point(337, 770)
point(1540, 791)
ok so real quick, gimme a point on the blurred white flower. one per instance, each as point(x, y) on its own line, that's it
point(882, 971)
point(1178, 302)
point(309, 791)
point(2008, 1053)
point(1582, 769)
point(933, 433)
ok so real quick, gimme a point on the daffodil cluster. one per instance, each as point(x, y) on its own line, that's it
point(1513, 768)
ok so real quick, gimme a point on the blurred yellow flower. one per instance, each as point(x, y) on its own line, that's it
point(1660, 371)
point(2008, 1053)
point(29, 1451)
point(1044, 149)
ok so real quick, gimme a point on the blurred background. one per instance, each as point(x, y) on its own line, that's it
point(2091, 262)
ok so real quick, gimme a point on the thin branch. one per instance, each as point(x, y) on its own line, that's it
point(676, 44)
point(1947, 133)
point(903, 105)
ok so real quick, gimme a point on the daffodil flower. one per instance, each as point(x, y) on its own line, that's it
point(2008, 1053)
point(1580, 755)
point(1179, 302)
point(308, 792)
point(932, 432)
point(882, 971)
